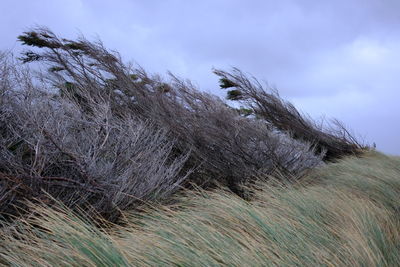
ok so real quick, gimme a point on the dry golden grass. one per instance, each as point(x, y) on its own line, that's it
point(344, 214)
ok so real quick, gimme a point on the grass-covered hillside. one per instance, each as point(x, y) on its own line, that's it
point(342, 214)
point(103, 164)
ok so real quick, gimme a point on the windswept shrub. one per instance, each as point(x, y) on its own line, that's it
point(108, 162)
point(334, 139)
point(227, 145)
point(230, 147)
point(97, 131)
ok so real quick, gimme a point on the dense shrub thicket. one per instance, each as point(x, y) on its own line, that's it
point(85, 128)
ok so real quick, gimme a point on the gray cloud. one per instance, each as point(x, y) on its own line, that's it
point(334, 58)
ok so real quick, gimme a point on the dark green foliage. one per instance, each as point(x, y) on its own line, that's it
point(29, 56)
point(234, 95)
point(225, 83)
point(38, 40)
point(134, 77)
point(75, 45)
point(245, 111)
point(68, 87)
point(56, 69)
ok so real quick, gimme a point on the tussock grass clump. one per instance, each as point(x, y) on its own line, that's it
point(346, 217)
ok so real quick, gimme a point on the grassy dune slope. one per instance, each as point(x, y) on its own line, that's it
point(343, 214)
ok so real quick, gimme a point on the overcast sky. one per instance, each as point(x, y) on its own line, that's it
point(337, 58)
